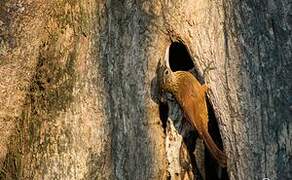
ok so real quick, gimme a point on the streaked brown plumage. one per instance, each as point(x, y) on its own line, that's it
point(190, 95)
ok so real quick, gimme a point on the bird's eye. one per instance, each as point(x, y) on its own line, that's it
point(166, 72)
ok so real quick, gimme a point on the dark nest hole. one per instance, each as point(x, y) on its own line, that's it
point(211, 165)
point(163, 112)
point(179, 57)
point(181, 60)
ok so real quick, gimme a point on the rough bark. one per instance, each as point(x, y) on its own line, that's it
point(52, 90)
point(258, 72)
point(78, 91)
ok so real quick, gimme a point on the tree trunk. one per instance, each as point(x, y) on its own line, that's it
point(79, 94)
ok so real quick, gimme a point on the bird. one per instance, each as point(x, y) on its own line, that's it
point(191, 97)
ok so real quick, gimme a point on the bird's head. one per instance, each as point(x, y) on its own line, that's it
point(165, 78)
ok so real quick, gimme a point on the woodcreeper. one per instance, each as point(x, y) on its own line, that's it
point(191, 96)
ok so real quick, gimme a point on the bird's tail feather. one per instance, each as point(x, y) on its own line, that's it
point(214, 150)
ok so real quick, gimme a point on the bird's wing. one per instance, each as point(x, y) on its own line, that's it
point(196, 112)
point(193, 107)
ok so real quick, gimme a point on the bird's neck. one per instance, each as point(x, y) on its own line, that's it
point(174, 85)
